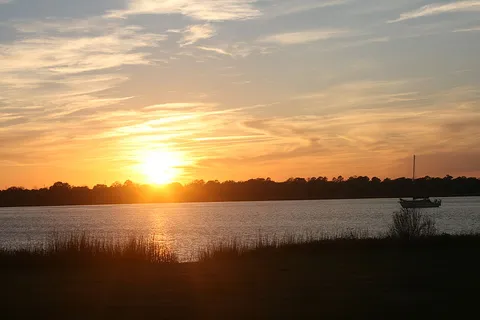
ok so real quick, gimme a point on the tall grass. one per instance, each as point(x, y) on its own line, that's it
point(234, 248)
point(409, 224)
point(82, 247)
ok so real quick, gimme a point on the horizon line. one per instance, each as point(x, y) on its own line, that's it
point(345, 179)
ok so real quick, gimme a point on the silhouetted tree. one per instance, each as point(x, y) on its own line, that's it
point(61, 193)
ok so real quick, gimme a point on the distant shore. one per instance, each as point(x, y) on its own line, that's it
point(227, 201)
point(260, 189)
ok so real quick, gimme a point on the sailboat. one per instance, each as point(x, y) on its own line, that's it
point(416, 202)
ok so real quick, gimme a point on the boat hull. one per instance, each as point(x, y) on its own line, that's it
point(421, 203)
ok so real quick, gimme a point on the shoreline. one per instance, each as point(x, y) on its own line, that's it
point(82, 246)
point(229, 201)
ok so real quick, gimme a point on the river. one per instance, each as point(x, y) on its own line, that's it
point(187, 227)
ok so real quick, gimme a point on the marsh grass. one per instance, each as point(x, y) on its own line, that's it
point(235, 248)
point(84, 248)
point(411, 224)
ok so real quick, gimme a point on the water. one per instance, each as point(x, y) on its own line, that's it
point(188, 227)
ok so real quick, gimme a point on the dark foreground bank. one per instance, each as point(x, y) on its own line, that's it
point(431, 278)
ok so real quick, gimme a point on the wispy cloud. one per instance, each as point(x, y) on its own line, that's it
point(439, 8)
point(76, 54)
point(356, 43)
point(283, 8)
point(207, 10)
point(195, 33)
point(370, 119)
point(54, 79)
point(60, 26)
point(67, 70)
point(216, 50)
point(238, 49)
point(366, 94)
point(179, 106)
point(229, 138)
point(472, 29)
point(300, 37)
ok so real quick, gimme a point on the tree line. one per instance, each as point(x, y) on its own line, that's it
point(260, 189)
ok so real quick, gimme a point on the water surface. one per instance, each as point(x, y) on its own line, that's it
point(186, 227)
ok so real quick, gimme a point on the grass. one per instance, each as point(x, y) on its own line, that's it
point(409, 273)
point(412, 224)
point(408, 227)
point(82, 248)
point(351, 276)
point(235, 248)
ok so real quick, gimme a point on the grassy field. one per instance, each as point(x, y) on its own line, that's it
point(78, 277)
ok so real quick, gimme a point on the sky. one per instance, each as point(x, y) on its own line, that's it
point(92, 90)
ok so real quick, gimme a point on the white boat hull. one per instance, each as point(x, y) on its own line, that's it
point(420, 203)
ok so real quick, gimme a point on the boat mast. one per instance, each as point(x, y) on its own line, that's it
point(413, 178)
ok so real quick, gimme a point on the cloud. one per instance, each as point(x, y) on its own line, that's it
point(365, 94)
point(66, 65)
point(87, 125)
point(437, 8)
point(292, 38)
point(472, 29)
point(216, 50)
point(179, 106)
point(55, 79)
point(60, 26)
point(356, 43)
point(87, 91)
point(229, 138)
point(370, 116)
point(194, 33)
point(283, 8)
point(75, 54)
point(206, 10)
point(238, 49)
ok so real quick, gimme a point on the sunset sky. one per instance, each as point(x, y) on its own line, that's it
point(96, 91)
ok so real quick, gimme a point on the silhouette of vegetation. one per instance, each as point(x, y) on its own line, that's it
point(411, 224)
point(260, 189)
point(332, 278)
point(82, 248)
point(234, 248)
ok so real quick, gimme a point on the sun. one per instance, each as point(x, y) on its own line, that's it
point(160, 167)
